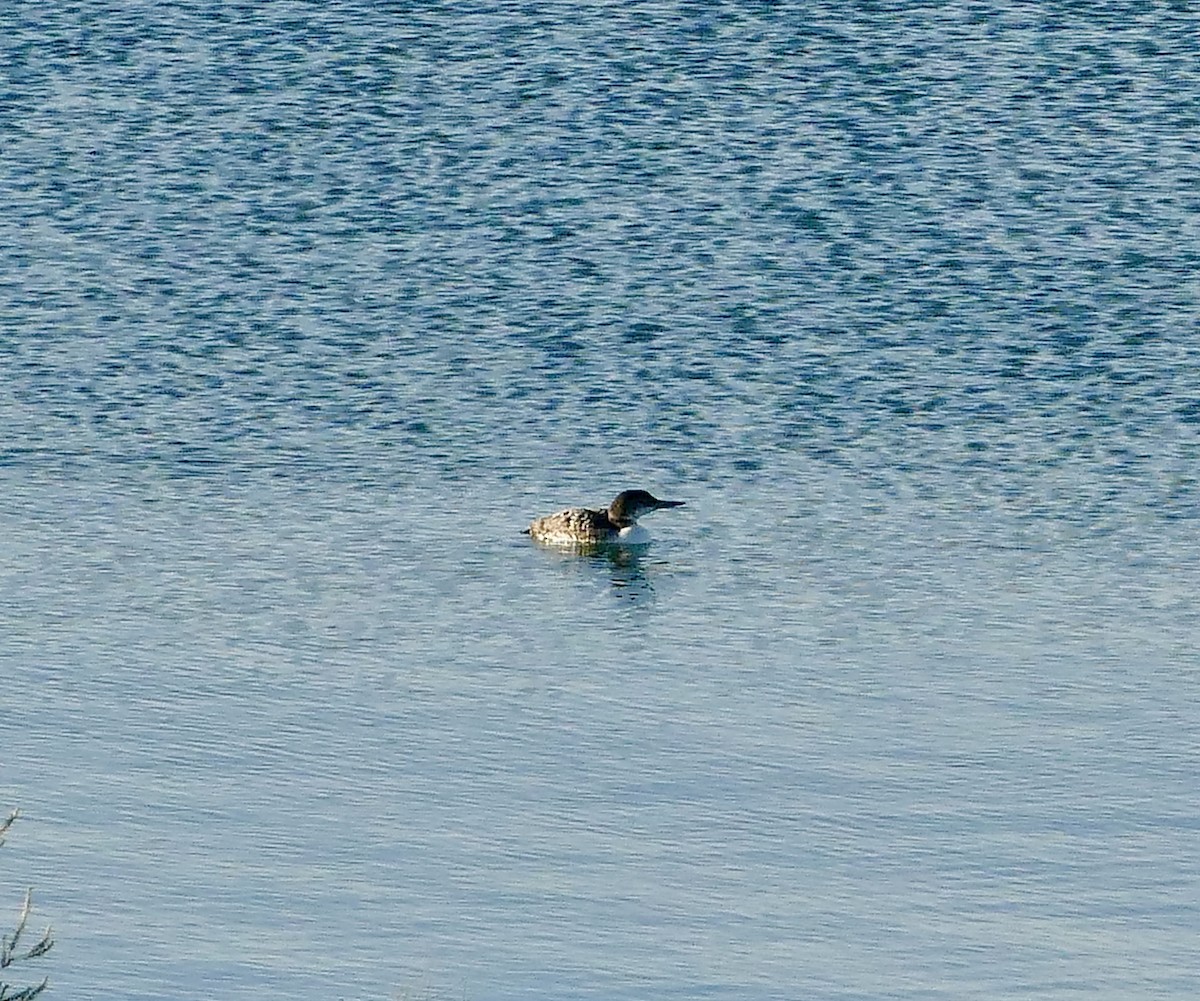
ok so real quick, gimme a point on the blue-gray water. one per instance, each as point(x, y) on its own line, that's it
point(305, 310)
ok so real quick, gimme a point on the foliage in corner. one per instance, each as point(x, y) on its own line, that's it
point(11, 949)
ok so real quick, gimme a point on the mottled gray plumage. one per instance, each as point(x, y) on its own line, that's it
point(588, 526)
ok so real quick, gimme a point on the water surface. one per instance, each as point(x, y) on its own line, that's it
point(306, 313)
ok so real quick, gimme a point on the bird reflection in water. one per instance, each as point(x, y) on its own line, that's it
point(628, 570)
point(626, 567)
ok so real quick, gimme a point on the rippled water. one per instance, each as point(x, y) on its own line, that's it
point(306, 311)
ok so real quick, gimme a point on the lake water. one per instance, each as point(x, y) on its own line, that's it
point(306, 311)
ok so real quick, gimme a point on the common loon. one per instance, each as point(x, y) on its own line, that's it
point(617, 524)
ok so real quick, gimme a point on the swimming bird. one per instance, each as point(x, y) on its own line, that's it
point(614, 525)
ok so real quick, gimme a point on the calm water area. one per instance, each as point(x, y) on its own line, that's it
point(307, 309)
